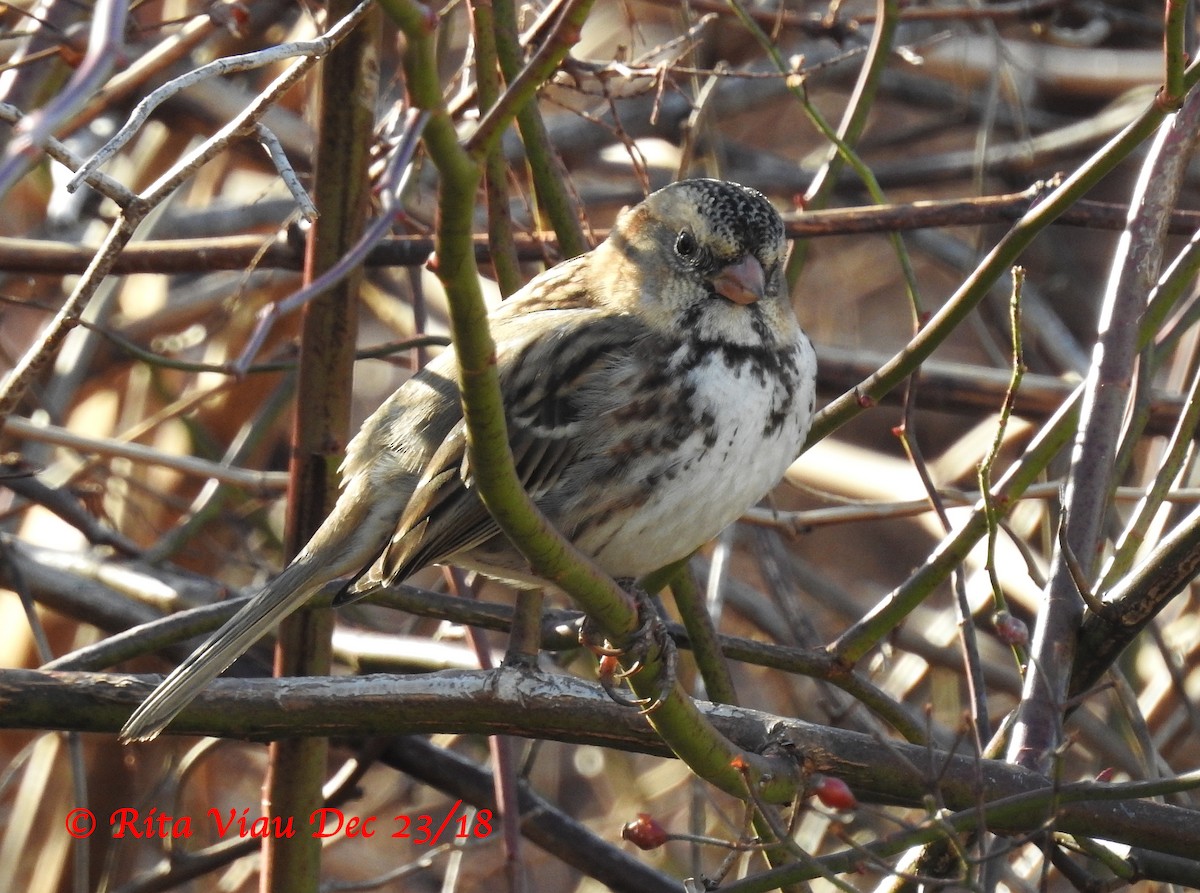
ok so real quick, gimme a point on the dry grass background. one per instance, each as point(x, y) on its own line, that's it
point(975, 101)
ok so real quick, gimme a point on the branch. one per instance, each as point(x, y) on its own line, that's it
point(105, 41)
point(35, 359)
point(557, 707)
point(1037, 731)
point(996, 264)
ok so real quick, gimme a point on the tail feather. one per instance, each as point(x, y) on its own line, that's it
point(283, 595)
point(353, 534)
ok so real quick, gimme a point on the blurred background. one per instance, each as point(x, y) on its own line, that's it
point(976, 112)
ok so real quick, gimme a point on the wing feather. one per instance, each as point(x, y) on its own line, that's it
point(552, 365)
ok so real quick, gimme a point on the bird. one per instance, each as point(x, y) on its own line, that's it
point(654, 388)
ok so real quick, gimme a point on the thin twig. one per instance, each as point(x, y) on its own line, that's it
point(992, 512)
point(1037, 732)
point(998, 260)
point(314, 49)
point(254, 481)
point(13, 388)
point(105, 40)
point(394, 182)
point(101, 182)
point(287, 173)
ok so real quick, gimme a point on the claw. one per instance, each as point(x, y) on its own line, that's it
point(592, 639)
point(611, 677)
point(651, 632)
point(666, 680)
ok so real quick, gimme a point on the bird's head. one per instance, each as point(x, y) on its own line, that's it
point(707, 254)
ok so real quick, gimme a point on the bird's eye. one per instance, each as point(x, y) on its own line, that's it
point(685, 245)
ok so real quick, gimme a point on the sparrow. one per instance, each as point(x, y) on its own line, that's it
point(654, 389)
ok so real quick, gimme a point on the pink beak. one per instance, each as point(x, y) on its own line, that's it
point(743, 282)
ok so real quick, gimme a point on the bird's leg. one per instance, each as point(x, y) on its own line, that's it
point(618, 663)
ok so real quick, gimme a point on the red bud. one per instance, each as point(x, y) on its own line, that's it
point(644, 832)
point(834, 793)
point(1009, 629)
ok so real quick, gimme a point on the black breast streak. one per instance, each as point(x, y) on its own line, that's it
point(784, 395)
point(776, 370)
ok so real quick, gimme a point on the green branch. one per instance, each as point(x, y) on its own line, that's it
point(1003, 256)
point(676, 717)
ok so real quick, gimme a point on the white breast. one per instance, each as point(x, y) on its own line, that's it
point(718, 479)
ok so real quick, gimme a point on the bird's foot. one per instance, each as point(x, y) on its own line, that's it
point(619, 663)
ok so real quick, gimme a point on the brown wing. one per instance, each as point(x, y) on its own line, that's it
point(552, 371)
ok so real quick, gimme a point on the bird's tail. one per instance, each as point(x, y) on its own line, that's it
point(297, 583)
